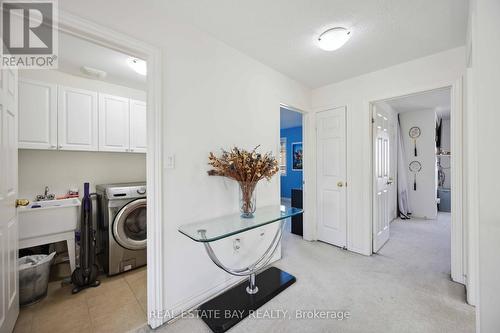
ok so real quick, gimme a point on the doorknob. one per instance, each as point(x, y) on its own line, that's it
point(340, 184)
point(390, 181)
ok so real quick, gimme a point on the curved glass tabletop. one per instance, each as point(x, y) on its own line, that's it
point(225, 226)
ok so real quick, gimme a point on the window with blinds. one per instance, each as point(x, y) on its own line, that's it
point(283, 156)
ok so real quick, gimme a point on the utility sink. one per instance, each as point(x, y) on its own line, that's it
point(45, 218)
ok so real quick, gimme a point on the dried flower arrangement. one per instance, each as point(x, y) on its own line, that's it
point(247, 168)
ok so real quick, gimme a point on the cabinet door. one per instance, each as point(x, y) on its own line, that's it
point(77, 119)
point(37, 115)
point(114, 128)
point(138, 136)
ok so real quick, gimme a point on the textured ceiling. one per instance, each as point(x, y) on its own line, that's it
point(75, 52)
point(438, 100)
point(280, 33)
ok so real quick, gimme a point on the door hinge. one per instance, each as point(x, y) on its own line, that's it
point(373, 120)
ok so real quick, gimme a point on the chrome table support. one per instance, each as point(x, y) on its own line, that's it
point(251, 269)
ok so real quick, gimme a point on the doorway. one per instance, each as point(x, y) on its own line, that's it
point(291, 160)
point(141, 146)
point(413, 174)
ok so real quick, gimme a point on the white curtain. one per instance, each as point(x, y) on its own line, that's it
point(403, 198)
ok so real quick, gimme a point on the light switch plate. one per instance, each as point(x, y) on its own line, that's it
point(170, 161)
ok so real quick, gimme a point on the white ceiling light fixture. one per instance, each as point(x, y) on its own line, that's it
point(138, 65)
point(93, 72)
point(333, 39)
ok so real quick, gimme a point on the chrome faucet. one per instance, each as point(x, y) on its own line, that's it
point(46, 195)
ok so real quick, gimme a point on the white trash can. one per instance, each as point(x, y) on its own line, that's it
point(34, 277)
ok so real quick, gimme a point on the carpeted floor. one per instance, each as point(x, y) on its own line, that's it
point(404, 288)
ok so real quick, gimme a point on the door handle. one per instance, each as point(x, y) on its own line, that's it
point(340, 184)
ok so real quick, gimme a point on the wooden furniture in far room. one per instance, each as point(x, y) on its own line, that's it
point(297, 228)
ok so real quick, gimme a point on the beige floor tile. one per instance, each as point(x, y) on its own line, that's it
point(24, 327)
point(139, 287)
point(139, 273)
point(117, 305)
point(138, 284)
point(53, 313)
point(120, 319)
point(113, 298)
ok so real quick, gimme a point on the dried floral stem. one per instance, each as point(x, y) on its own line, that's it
point(245, 167)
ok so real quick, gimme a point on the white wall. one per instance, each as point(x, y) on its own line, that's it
point(214, 96)
point(438, 70)
point(483, 113)
point(62, 170)
point(58, 77)
point(423, 200)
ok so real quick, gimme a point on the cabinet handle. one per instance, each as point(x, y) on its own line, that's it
point(131, 150)
point(53, 146)
point(60, 147)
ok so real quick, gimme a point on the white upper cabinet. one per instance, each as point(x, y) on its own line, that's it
point(37, 115)
point(59, 117)
point(77, 119)
point(114, 113)
point(138, 136)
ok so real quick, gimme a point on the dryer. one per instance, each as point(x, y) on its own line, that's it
point(122, 226)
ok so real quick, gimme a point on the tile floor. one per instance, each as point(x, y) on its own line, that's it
point(119, 304)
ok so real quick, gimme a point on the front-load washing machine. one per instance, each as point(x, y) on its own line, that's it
point(121, 218)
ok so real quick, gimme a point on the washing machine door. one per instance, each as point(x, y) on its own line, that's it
point(129, 225)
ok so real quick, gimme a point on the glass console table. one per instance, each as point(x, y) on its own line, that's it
point(235, 304)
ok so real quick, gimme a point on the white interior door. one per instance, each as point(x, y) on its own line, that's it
point(77, 119)
point(382, 177)
point(9, 295)
point(37, 115)
point(331, 176)
point(138, 136)
point(114, 120)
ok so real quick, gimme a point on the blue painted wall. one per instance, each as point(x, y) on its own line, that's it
point(293, 178)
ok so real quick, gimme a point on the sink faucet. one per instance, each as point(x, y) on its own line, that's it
point(45, 196)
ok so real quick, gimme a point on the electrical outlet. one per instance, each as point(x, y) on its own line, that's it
point(170, 161)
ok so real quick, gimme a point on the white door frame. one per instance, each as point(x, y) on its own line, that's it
point(457, 207)
point(108, 38)
point(304, 152)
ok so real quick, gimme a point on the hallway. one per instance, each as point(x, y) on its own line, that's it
point(405, 288)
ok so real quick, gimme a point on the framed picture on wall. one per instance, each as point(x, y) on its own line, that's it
point(297, 156)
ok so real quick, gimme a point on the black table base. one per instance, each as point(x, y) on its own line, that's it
point(229, 308)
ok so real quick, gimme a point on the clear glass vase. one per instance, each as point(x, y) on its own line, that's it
point(247, 199)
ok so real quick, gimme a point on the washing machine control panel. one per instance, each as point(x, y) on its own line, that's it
point(126, 192)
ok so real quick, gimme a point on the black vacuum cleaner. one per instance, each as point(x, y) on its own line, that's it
point(85, 275)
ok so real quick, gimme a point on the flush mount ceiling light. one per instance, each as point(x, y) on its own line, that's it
point(333, 39)
point(138, 65)
point(93, 72)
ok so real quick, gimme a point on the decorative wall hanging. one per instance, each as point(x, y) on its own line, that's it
point(247, 168)
point(297, 156)
point(415, 167)
point(414, 134)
